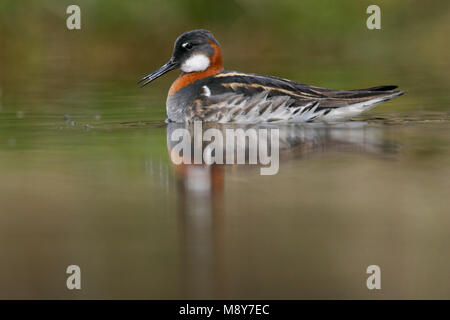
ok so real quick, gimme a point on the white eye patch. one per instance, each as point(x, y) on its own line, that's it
point(197, 62)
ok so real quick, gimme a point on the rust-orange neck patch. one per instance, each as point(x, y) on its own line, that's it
point(186, 79)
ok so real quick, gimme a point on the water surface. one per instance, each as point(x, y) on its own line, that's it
point(98, 189)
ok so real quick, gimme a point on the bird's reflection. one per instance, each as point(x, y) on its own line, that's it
point(201, 186)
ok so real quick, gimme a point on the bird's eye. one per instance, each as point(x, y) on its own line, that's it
point(187, 45)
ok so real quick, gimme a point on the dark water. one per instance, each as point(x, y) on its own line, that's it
point(97, 188)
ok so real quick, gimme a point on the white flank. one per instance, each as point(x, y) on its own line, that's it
point(206, 91)
point(195, 63)
point(343, 113)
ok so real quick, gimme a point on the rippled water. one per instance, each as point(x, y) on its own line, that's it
point(86, 179)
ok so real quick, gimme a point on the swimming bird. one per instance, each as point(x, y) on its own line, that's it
point(204, 91)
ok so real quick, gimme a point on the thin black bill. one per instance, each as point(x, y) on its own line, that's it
point(170, 65)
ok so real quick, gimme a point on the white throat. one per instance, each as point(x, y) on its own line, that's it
point(195, 63)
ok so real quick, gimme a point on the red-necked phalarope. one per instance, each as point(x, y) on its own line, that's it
point(206, 92)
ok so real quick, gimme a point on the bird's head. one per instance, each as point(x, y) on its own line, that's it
point(194, 51)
